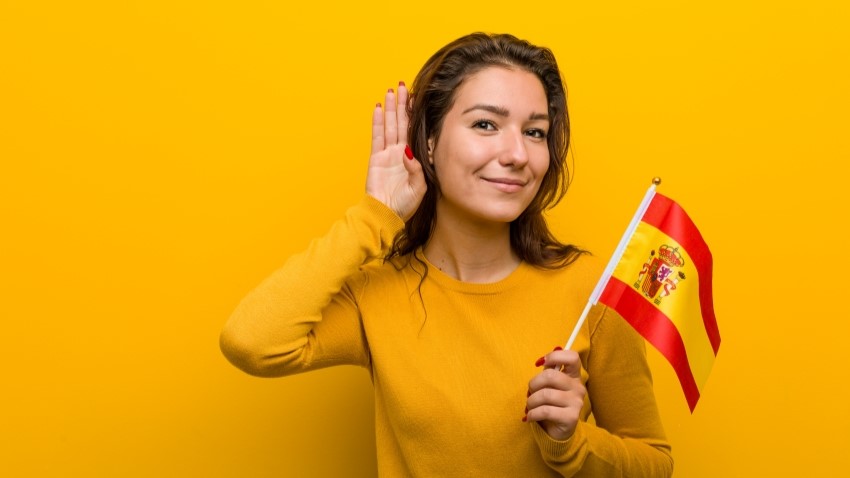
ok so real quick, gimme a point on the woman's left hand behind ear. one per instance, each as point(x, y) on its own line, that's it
point(556, 394)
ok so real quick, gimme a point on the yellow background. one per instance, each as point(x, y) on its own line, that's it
point(158, 159)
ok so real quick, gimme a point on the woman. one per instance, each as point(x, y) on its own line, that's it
point(446, 284)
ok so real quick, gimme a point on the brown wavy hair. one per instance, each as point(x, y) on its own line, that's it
point(432, 96)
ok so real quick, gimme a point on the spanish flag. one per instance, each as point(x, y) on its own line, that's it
point(659, 280)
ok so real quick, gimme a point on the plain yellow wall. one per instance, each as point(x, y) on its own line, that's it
point(158, 159)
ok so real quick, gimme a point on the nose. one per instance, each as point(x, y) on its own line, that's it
point(514, 149)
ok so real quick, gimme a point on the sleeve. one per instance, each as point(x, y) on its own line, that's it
point(627, 438)
point(305, 316)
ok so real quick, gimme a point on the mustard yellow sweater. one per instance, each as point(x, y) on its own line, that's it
point(450, 361)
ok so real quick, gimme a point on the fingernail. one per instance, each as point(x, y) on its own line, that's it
point(540, 361)
point(400, 83)
point(558, 348)
point(525, 418)
point(390, 90)
point(408, 152)
point(378, 105)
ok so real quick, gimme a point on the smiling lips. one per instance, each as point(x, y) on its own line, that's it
point(506, 184)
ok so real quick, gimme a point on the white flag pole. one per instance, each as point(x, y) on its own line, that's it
point(615, 258)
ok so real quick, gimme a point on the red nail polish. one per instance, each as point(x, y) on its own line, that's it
point(400, 83)
point(525, 418)
point(540, 361)
point(378, 105)
point(390, 90)
point(408, 152)
point(557, 348)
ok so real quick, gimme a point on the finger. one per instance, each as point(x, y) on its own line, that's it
point(402, 112)
point(559, 422)
point(549, 396)
point(390, 119)
point(559, 415)
point(567, 361)
point(555, 379)
point(560, 400)
point(377, 129)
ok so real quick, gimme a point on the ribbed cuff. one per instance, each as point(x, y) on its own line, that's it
point(567, 456)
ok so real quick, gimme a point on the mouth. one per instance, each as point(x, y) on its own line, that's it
point(506, 184)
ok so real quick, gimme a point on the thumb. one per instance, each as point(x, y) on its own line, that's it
point(571, 363)
point(416, 177)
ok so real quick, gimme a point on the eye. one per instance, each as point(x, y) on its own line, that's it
point(536, 133)
point(486, 125)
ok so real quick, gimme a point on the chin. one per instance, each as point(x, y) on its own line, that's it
point(485, 209)
point(503, 216)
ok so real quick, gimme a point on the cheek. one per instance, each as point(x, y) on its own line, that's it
point(443, 170)
point(449, 160)
point(541, 166)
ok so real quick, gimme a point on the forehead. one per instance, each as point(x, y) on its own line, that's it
point(515, 89)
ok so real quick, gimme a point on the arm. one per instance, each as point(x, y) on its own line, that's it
point(628, 438)
point(305, 315)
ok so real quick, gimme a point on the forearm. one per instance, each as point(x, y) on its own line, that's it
point(595, 452)
point(271, 332)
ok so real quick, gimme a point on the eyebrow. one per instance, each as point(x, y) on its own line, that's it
point(498, 110)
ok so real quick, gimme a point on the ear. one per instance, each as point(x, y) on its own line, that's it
point(431, 151)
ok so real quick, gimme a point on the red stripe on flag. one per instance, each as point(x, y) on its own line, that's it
point(668, 217)
point(656, 328)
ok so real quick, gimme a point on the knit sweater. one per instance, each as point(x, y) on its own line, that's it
point(450, 361)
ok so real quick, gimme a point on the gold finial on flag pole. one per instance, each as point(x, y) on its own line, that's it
point(656, 180)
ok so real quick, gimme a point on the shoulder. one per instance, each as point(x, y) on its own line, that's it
point(382, 276)
point(606, 325)
point(579, 277)
point(576, 283)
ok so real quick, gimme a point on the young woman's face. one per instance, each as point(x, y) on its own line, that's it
point(492, 152)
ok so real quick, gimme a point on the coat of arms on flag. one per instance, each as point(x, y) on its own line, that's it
point(660, 274)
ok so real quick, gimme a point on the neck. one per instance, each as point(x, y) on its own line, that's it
point(470, 251)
